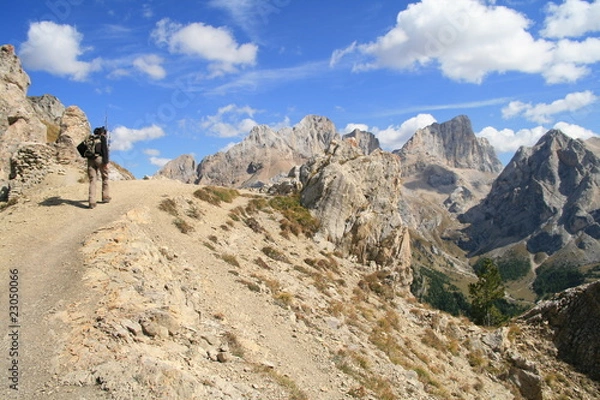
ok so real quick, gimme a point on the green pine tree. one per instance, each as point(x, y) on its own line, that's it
point(485, 293)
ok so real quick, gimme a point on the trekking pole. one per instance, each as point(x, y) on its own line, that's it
point(106, 127)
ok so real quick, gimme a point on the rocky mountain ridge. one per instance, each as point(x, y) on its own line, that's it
point(179, 297)
point(37, 134)
point(547, 197)
point(199, 291)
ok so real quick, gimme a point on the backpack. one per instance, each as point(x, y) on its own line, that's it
point(90, 147)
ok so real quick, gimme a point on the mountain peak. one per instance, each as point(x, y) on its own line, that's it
point(452, 144)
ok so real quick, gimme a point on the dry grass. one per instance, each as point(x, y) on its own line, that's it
point(183, 226)
point(215, 194)
point(169, 206)
point(230, 259)
point(275, 254)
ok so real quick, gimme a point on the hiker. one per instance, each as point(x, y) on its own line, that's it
point(95, 149)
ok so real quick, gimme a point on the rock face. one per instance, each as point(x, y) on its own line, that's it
point(182, 168)
point(355, 197)
point(548, 197)
point(366, 141)
point(18, 120)
point(265, 154)
point(448, 159)
point(451, 144)
point(48, 108)
point(38, 135)
point(573, 318)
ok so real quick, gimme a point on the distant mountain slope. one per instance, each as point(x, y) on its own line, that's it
point(265, 154)
point(547, 197)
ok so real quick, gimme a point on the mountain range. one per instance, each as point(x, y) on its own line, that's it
point(295, 264)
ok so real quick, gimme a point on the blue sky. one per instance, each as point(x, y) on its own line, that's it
point(193, 77)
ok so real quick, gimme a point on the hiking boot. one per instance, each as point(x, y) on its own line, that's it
point(106, 200)
point(92, 205)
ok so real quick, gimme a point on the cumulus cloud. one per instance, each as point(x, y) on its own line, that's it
point(217, 46)
point(543, 113)
point(508, 141)
point(153, 157)
point(393, 137)
point(150, 64)
point(124, 138)
point(572, 18)
point(467, 40)
point(56, 49)
point(230, 121)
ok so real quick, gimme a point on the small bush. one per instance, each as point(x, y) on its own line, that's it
point(215, 194)
point(296, 218)
point(169, 206)
point(261, 263)
point(230, 259)
point(275, 254)
point(183, 226)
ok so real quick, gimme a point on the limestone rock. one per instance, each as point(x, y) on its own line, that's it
point(574, 319)
point(452, 144)
point(18, 120)
point(355, 197)
point(547, 197)
point(48, 108)
point(74, 128)
point(182, 168)
point(367, 142)
point(265, 155)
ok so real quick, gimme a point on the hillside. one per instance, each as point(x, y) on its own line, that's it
point(160, 294)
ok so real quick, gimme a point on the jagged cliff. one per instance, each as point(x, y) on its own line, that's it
point(547, 197)
point(355, 197)
point(265, 154)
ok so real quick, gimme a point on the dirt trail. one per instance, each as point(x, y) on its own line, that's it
point(41, 238)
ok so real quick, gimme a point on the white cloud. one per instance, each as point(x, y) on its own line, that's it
point(159, 161)
point(351, 127)
point(150, 64)
point(467, 40)
point(229, 121)
point(543, 113)
point(248, 14)
point(575, 131)
point(151, 152)
point(572, 18)
point(123, 138)
point(215, 45)
point(508, 141)
point(154, 157)
point(56, 49)
point(393, 137)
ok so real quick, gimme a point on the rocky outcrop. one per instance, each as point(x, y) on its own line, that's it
point(573, 317)
point(366, 141)
point(265, 154)
point(355, 197)
point(18, 120)
point(48, 108)
point(38, 135)
point(182, 168)
point(74, 128)
point(547, 197)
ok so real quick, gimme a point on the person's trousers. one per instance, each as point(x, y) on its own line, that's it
point(94, 166)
